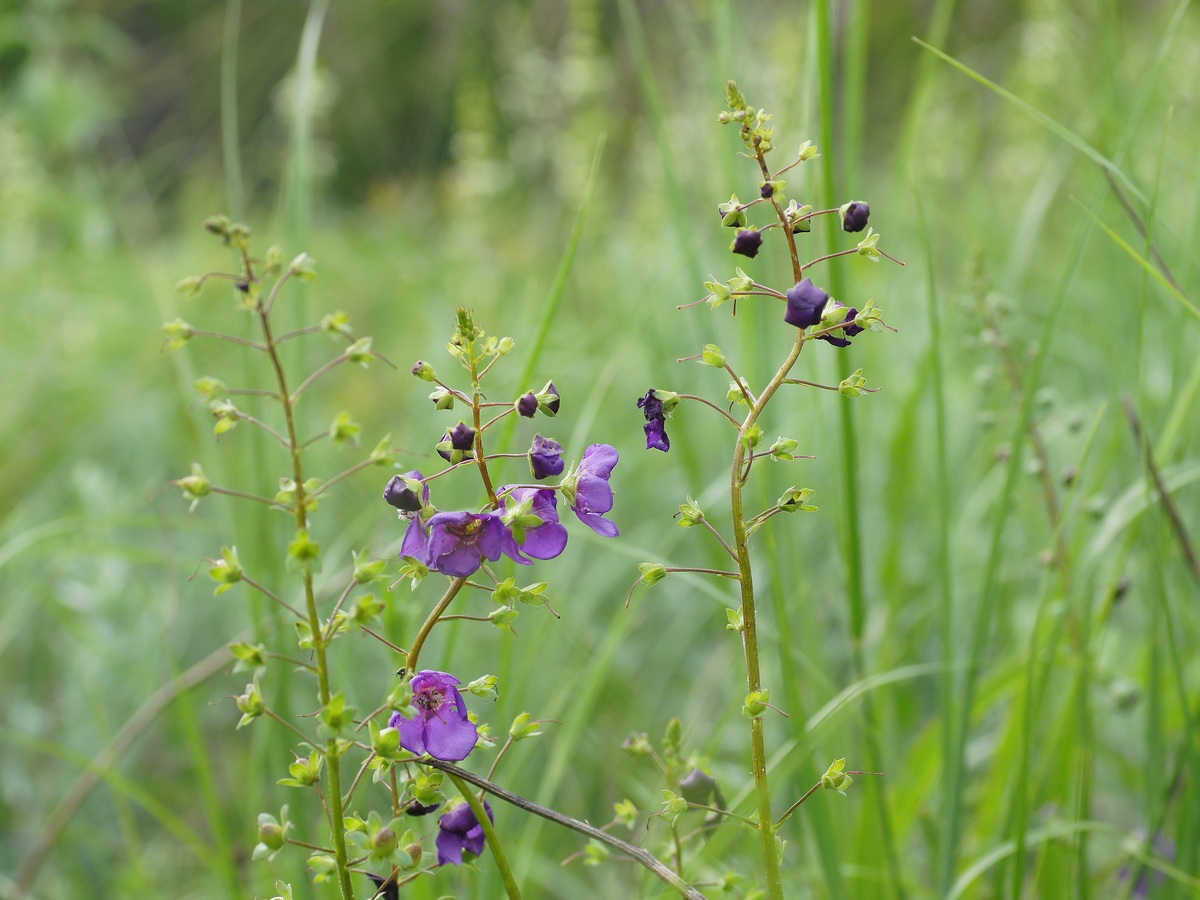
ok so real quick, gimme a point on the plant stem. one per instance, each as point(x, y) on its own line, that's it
point(490, 837)
point(766, 830)
point(427, 626)
point(332, 752)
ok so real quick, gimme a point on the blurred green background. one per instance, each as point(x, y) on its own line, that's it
point(993, 606)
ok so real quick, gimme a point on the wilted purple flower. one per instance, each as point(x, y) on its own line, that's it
point(398, 494)
point(589, 492)
point(527, 405)
point(459, 542)
point(544, 541)
point(804, 304)
point(855, 215)
point(441, 727)
point(420, 809)
point(545, 457)
point(747, 242)
point(459, 830)
point(656, 422)
point(842, 338)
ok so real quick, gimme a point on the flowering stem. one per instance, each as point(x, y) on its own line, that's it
point(432, 619)
point(639, 854)
point(332, 754)
point(766, 831)
point(736, 423)
point(304, 385)
point(490, 837)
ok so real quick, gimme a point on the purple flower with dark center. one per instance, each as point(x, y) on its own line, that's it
point(842, 338)
point(459, 830)
point(545, 457)
point(548, 538)
point(398, 494)
point(747, 242)
point(528, 405)
point(588, 490)
point(805, 302)
point(441, 727)
point(459, 542)
point(656, 422)
point(855, 215)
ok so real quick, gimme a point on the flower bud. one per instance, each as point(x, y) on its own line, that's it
point(270, 832)
point(697, 786)
point(747, 242)
point(545, 457)
point(854, 216)
point(527, 405)
point(462, 436)
point(401, 492)
point(423, 370)
point(548, 400)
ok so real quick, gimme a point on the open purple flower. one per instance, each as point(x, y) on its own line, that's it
point(459, 830)
point(747, 242)
point(545, 540)
point(855, 215)
point(459, 542)
point(441, 727)
point(656, 422)
point(400, 495)
point(545, 457)
point(805, 302)
point(589, 492)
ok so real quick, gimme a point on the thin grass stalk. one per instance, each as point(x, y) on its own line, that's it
point(231, 145)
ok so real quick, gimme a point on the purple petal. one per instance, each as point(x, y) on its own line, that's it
point(412, 734)
point(599, 459)
point(449, 738)
point(602, 526)
point(416, 541)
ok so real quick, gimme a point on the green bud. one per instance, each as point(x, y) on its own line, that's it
point(442, 399)
point(737, 393)
point(382, 453)
point(226, 571)
point(757, 702)
point(734, 617)
point(251, 704)
point(503, 617)
point(523, 727)
point(303, 267)
point(835, 779)
point(249, 656)
point(178, 333)
point(711, 355)
point(752, 436)
point(208, 387)
point(274, 259)
point(303, 549)
point(795, 500)
point(732, 214)
point(505, 346)
point(673, 806)
point(195, 485)
point(191, 286)
point(626, 812)
point(270, 832)
point(238, 236)
point(424, 370)
point(717, 293)
point(740, 282)
point(637, 744)
point(852, 385)
point(360, 352)
point(218, 225)
point(866, 247)
point(336, 323)
point(808, 150)
point(367, 570)
point(414, 852)
point(484, 687)
point(784, 449)
point(385, 742)
point(798, 217)
point(226, 414)
point(652, 573)
point(690, 514)
point(304, 772)
point(344, 430)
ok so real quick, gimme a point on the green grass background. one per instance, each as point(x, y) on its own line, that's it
point(1034, 722)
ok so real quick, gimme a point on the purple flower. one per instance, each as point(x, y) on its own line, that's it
point(459, 830)
point(804, 304)
point(545, 540)
point(747, 242)
point(588, 490)
point(459, 542)
point(545, 457)
point(656, 422)
point(398, 494)
point(462, 436)
point(527, 405)
point(855, 215)
point(441, 727)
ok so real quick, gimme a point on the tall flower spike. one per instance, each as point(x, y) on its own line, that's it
point(441, 727)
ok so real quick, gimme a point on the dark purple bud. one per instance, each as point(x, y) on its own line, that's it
point(420, 809)
point(462, 437)
point(767, 191)
point(747, 242)
point(855, 215)
point(399, 495)
point(804, 304)
point(527, 405)
point(242, 285)
point(551, 404)
point(697, 786)
point(545, 457)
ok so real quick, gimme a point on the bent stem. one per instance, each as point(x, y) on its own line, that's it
point(766, 830)
point(490, 837)
point(427, 626)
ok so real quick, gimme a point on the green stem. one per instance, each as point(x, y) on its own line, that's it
point(332, 753)
point(490, 837)
point(432, 619)
point(766, 831)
